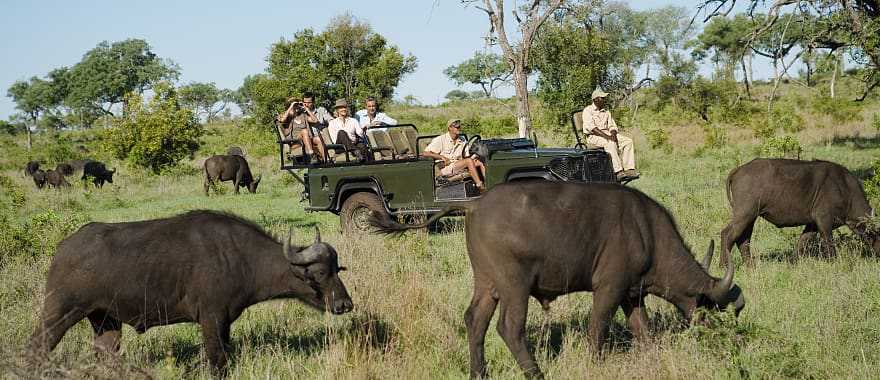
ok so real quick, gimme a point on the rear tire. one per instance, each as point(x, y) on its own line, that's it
point(356, 210)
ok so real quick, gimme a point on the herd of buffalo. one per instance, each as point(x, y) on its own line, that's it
point(207, 267)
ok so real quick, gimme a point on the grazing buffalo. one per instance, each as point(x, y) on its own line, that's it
point(56, 179)
point(235, 151)
point(72, 167)
point(40, 178)
point(820, 195)
point(203, 266)
point(547, 239)
point(230, 168)
point(98, 173)
point(31, 168)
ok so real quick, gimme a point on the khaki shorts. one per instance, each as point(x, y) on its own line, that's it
point(451, 170)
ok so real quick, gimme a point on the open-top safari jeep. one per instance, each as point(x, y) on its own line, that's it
point(398, 181)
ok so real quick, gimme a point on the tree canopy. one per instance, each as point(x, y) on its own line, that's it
point(488, 70)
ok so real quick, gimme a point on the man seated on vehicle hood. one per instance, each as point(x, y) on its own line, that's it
point(448, 148)
point(372, 116)
point(601, 130)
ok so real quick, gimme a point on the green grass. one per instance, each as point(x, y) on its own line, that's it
point(813, 318)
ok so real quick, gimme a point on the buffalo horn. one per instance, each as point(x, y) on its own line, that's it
point(707, 260)
point(317, 235)
point(307, 256)
point(719, 294)
point(286, 248)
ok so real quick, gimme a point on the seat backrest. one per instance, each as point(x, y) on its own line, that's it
point(424, 141)
point(325, 135)
point(412, 136)
point(578, 119)
point(401, 143)
point(381, 142)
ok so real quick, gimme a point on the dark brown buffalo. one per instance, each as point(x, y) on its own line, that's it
point(31, 168)
point(202, 266)
point(547, 239)
point(72, 167)
point(230, 168)
point(39, 177)
point(98, 173)
point(820, 195)
point(56, 179)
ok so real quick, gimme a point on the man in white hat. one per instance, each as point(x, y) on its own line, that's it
point(601, 130)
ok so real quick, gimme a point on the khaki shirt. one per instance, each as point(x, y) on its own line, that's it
point(446, 147)
point(594, 118)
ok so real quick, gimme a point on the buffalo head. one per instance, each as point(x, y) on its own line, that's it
point(252, 187)
point(109, 176)
point(317, 265)
point(724, 292)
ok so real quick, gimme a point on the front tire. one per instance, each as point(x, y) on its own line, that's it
point(356, 211)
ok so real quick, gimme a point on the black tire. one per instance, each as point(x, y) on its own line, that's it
point(356, 210)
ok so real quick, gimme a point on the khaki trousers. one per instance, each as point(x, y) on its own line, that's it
point(622, 155)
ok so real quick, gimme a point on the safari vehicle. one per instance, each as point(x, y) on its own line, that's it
point(397, 181)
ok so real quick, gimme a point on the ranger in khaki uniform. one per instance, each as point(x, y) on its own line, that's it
point(448, 148)
point(601, 130)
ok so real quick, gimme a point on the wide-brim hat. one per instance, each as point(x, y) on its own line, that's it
point(340, 103)
point(598, 93)
point(452, 121)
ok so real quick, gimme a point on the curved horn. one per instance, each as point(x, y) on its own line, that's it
point(719, 293)
point(317, 235)
point(259, 177)
point(707, 260)
point(307, 256)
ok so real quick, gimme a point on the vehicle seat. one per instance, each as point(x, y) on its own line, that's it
point(292, 147)
point(578, 119)
point(335, 151)
point(401, 142)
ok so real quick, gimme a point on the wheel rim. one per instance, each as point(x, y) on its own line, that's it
point(360, 218)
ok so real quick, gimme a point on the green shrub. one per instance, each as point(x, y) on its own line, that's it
point(786, 119)
point(13, 191)
point(876, 122)
point(156, 135)
point(783, 146)
point(840, 110)
point(872, 185)
point(658, 138)
point(715, 136)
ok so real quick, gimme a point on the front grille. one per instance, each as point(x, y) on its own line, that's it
point(593, 166)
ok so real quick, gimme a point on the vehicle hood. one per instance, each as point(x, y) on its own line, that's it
point(540, 152)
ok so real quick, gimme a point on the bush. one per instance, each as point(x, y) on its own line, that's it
point(840, 110)
point(784, 146)
point(872, 185)
point(715, 136)
point(876, 122)
point(154, 136)
point(787, 120)
point(658, 138)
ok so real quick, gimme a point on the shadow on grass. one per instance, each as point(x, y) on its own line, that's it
point(857, 142)
point(286, 220)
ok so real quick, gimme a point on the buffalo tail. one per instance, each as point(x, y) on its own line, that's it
point(383, 222)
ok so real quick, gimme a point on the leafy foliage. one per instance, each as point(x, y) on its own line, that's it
point(205, 98)
point(488, 70)
point(780, 146)
point(156, 135)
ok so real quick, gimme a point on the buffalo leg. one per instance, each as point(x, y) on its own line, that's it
point(238, 179)
point(477, 318)
point(108, 330)
point(825, 226)
point(636, 316)
point(208, 183)
point(807, 237)
point(512, 328)
point(605, 304)
point(739, 231)
point(215, 337)
point(54, 324)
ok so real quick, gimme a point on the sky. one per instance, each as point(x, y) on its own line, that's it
point(224, 41)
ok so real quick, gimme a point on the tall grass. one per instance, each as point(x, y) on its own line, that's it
point(809, 318)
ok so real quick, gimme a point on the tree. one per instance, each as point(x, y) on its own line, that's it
point(487, 70)
point(110, 71)
point(457, 95)
point(726, 39)
point(205, 98)
point(517, 54)
point(32, 97)
point(156, 135)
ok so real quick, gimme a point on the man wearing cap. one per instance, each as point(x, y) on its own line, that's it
point(448, 148)
point(601, 130)
point(346, 131)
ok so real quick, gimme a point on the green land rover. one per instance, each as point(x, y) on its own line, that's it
point(398, 181)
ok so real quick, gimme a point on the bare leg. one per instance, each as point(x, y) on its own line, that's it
point(636, 316)
point(319, 146)
point(512, 328)
point(215, 337)
point(306, 141)
point(108, 331)
point(472, 169)
point(477, 319)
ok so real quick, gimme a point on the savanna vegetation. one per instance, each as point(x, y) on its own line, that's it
point(805, 317)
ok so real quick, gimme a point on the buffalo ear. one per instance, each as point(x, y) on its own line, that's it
point(113, 171)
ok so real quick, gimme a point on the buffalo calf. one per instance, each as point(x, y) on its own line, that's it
point(39, 177)
point(230, 168)
point(547, 239)
point(819, 195)
point(56, 179)
point(203, 266)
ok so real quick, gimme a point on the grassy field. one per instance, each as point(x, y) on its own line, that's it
point(812, 318)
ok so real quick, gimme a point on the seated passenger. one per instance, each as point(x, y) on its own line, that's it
point(601, 130)
point(448, 148)
point(294, 125)
point(346, 131)
point(372, 117)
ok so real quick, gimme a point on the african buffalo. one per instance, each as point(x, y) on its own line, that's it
point(820, 195)
point(235, 151)
point(56, 179)
point(72, 167)
point(98, 173)
point(202, 266)
point(230, 168)
point(39, 177)
point(547, 239)
point(31, 168)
